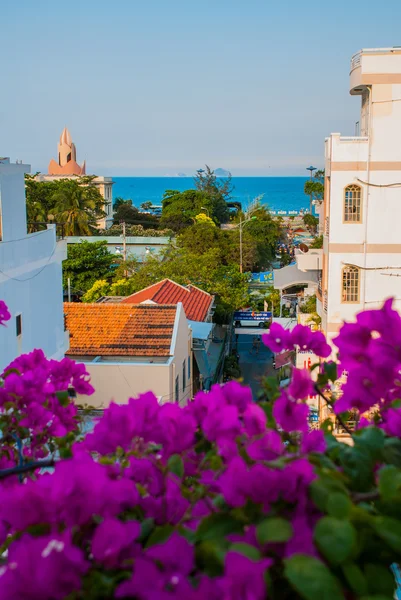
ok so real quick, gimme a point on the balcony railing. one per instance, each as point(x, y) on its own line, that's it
point(356, 61)
point(326, 226)
point(325, 302)
point(34, 226)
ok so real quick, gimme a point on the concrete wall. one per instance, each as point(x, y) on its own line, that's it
point(137, 247)
point(30, 276)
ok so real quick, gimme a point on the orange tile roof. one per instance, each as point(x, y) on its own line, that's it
point(196, 302)
point(119, 330)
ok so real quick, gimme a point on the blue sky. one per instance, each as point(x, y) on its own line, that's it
point(153, 87)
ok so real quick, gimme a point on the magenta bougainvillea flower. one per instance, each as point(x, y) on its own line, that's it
point(223, 499)
point(4, 313)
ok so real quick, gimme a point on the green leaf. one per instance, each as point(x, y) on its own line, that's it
point(312, 579)
point(146, 529)
point(63, 398)
point(391, 452)
point(372, 439)
point(217, 526)
point(390, 483)
point(274, 530)
point(247, 550)
point(339, 505)
point(209, 556)
point(335, 538)
point(390, 531)
point(321, 489)
point(380, 579)
point(176, 465)
point(160, 535)
point(355, 578)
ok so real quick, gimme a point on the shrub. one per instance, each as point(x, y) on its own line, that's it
point(221, 499)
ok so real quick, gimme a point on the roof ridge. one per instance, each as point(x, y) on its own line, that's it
point(190, 285)
point(148, 287)
point(179, 285)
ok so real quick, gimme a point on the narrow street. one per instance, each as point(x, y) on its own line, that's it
point(254, 366)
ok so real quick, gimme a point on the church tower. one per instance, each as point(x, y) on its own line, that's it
point(67, 158)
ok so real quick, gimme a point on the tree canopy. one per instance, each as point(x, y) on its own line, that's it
point(87, 262)
point(124, 211)
point(76, 203)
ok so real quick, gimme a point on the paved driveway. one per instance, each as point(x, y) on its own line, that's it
point(254, 366)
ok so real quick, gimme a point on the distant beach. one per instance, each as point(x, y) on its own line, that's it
point(283, 195)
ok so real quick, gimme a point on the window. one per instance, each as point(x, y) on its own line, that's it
point(352, 204)
point(177, 388)
point(18, 323)
point(189, 367)
point(350, 284)
point(184, 378)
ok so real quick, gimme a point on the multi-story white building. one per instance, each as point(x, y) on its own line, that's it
point(361, 262)
point(30, 275)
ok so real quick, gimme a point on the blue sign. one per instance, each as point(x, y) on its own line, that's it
point(265, 277)
point(249, 315)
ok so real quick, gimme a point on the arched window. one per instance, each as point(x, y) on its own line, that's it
point(350, 284)
point(352, 204)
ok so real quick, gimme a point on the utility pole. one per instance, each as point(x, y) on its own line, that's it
point(124, 246)
point(240, 245)
point(69, 289)
point(124, 243)
point(310, 169)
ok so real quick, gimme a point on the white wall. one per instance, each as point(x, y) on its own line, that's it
point(120, 381)
point(30, 276)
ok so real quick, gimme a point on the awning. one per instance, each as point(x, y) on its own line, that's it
point(291, 275)
point(200, 330)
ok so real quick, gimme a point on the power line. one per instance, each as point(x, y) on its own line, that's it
point(36, 274)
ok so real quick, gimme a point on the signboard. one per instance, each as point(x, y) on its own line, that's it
point(250, 315)
point(265, 277)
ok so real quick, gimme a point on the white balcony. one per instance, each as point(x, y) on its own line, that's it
point(310, 261)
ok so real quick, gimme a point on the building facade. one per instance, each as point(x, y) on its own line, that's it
point(361, 262)
point(30, 275)
point(130, 349)
point(66, 167)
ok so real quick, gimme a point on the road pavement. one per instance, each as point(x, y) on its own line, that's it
point(254, 366)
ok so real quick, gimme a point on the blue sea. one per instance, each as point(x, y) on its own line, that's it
point(284, 194)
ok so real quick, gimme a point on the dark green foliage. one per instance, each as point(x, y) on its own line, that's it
point(86, 263)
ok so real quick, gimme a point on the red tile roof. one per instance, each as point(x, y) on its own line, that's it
point(119, 330)
point(196, 302)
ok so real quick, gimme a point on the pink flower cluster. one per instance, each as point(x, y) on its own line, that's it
point(163, 502)
point(30, 400)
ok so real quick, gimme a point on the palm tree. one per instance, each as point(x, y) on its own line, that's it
point(36, 216)
point(76, 209)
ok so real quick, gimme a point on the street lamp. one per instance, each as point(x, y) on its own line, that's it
point(240, 226)
point(311, 169)
point(206, 209)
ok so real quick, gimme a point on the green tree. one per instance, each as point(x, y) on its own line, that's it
point(39, 193)
point(146, 205)
point(86, 263)
point(180, 208)
point(129, 214)
point(78, 206)
point(317, 242)
point(311, 221)
point(99, 289)
point(314, 188)
point(207, 181)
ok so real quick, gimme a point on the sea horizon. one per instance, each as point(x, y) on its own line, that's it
point(284, 194)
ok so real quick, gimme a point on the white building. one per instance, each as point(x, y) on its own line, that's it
point(30, 275)
point(361, 263)
point(130, 349)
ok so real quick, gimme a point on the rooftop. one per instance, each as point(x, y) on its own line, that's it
point(119, 329)
point(196, 302)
